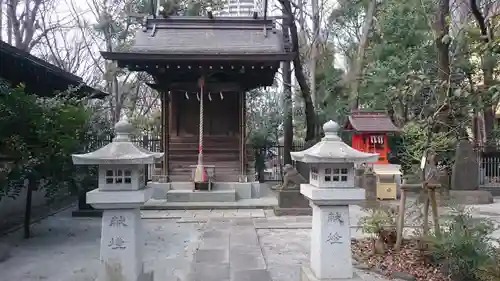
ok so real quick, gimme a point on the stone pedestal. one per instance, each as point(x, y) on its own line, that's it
point(121, 246)
point(122, 238)
point(331, 242)
point(369, 184)
point(292, 203)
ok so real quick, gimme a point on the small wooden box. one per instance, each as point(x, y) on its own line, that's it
point(386, 191)
point(387, 188)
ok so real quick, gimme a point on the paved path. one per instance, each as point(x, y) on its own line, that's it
point(192, 245)
point(229, 251)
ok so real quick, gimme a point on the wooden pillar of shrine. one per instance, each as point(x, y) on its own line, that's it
point(243, 130)
point(165, 131)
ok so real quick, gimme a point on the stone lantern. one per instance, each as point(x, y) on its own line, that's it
point(330, 191)
point(120, 194)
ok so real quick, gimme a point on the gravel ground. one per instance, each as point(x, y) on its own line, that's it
point(67, 249)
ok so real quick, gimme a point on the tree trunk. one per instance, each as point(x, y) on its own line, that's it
point(27, 209)
point(287, 103)
point(357, 69)
point(299, 71)
point(441, 29)
point(1, 20)
point(314, 50)
point(488, 66)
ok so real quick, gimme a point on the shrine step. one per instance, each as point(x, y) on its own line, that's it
point(180, 177)
point(201, 196)
point(193, 157)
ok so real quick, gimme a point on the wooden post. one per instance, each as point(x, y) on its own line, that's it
point(166, 136)
point(401, 218)
point(426, 210)
point(244, 134)
point(162, 129)
point(241, 135)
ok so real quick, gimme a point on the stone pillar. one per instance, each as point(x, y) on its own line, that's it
point(331, 242)
point(121, 245)
point(369, 184)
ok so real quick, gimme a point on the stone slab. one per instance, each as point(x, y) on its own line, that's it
point(471, 197)
point(201, 196)
point(215, 256)
point(254, 203)
point(251, 275)
point(208, 272)
point(87, 213)
point(306, 274)
point(465, 174)
point(292, 211)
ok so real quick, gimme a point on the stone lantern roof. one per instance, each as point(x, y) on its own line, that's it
point(120, 151)
point(331, 149)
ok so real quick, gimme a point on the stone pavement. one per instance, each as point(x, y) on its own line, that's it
point(235, 250)
point(181, 245)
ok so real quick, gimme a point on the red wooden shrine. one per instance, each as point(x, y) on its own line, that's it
point(370, 130)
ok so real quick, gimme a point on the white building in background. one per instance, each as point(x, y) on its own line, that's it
point(242, 8)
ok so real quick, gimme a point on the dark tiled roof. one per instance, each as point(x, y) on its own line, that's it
point(194, 35)
point(40, 77)
point(370, 122)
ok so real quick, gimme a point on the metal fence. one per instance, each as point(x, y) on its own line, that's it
point(147, 141)
point(488, 159)
point(269, 162)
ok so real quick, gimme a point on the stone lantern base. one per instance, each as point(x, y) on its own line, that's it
point(306, 274)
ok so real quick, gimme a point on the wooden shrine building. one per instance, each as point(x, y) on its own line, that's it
point(214, 59)
point(370, 130)
point(40, 77)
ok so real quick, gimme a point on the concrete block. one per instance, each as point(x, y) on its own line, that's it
point(243, 190)
point(159, 190)
point(260, 189)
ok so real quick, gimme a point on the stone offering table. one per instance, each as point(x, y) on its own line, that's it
point(330, 191)
point(121, 193)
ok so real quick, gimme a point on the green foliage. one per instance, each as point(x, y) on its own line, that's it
point(378, 220)
point(465, 244)
point(415, 140)
point(40, 134)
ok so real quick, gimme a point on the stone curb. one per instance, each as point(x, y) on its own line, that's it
point(359, 264)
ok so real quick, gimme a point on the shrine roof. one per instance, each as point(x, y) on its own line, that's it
point(373, 121)
point(38, 76)
point(226, 38)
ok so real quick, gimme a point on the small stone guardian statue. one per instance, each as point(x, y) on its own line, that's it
point(291, 180)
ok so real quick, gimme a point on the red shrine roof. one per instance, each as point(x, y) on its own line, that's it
point(373, 121)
